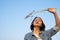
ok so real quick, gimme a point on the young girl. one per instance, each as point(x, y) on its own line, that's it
point(38, 28)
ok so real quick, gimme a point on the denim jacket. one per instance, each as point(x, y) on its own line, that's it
point(45, 35)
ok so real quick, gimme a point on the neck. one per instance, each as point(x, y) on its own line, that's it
point(36, 30)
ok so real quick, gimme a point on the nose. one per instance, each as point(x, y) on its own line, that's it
point(37, 21)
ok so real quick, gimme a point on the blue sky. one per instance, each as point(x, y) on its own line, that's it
point(13, 26)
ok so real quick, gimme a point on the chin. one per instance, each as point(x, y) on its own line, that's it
point(37, 25)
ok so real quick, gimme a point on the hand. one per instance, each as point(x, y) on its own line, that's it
point(51, 10)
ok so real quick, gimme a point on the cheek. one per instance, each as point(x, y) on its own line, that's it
point(34, 23)
point(40, 23)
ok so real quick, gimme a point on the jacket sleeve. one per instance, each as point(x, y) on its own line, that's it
point(52, 31)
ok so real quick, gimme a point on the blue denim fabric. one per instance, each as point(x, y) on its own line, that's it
point(45, 35)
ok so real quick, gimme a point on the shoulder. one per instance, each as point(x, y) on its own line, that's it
point(28, 34)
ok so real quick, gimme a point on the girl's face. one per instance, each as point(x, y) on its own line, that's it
point(37, 22)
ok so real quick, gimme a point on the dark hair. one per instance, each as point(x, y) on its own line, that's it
point(42, 27)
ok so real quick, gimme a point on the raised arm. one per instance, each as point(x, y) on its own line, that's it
point(55, 29)
point(51, 10)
